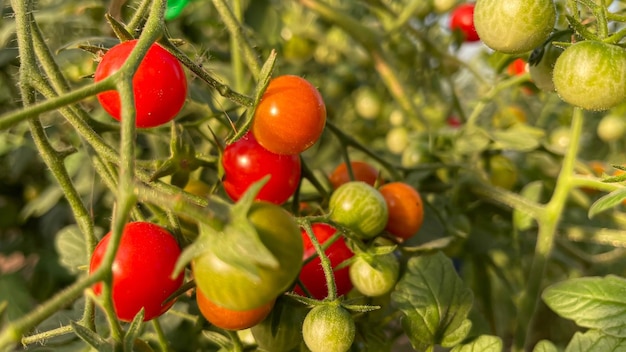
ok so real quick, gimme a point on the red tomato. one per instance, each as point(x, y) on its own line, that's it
point(462, 19)
point(245, 161)
point(406, 211)
point(142, 268)
point(290, 117)
point(362, 172)
point(312, 274)
point(159, 85)
point(229, 319)
point(517, 67)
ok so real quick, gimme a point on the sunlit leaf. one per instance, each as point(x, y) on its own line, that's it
point(483, 343)
point(595, 341)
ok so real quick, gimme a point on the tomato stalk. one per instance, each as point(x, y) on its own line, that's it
point(325, 262)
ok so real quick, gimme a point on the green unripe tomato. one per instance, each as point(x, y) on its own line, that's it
point(375, 276)
point(328, 328)
point(359, 207)
point(611, 128)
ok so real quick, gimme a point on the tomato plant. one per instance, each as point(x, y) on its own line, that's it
point(281, 331)
point(462, 19)
point(329, 328)
point(375, 275)
point(245, 161)
point(405, 209)
point(361, 170)
point(231, 319)
point(359, 207)
point(141, 270)
point(290, 117)
point(159, 84)
point(312, 274)
point(233, 288)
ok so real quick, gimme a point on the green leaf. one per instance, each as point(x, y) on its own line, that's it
point(483, 343)
point(532, 192)
point(13, 289)
point(133, 330)
point(545, 346)
point(474, 140)
point(518, 137)
point(72, 249)
point(435, 302)
point(591, 302)
point(595, 341)
point(608, 201)
point(91, 338)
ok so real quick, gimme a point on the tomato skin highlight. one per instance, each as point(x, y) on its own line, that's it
point(245, 161)
point(406, 209)
point(142, 267)
point(462, 19)
point(229, 319)
point(233, 288)
point(312, 273)
point(159, 84)
point(362, 172)
point(290, 117)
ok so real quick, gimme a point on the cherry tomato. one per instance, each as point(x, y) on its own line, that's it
point(312, 274)
point(375, 275)
point(362, 172)
point(245, 161)
point(591, 75)
point(281, 331)
point(406, 210)
point(514, 26)
point(502, 172)
point(462, 19)
point(159, 85)
point(235, 289)
point(142, 267)
point(229, 319)
point(611, 127)
point(359, 207)
point(517, 67)
point(290, 117)
point(328, 328)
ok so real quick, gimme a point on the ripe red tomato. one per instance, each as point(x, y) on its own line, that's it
point(229, 319)
point(406, 210)
point(159, 85)
point(462, 19)
point(245, 161)
point(290, 117)
point(362, 172)
point(143, 264)
point(517, 67)
point(312, 274)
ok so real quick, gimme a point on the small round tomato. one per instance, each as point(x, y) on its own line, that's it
point(359, 207)
point(245, 161)
point(375, 275)
point(159, 85)
point(502, 172)
point(462, 19)
point(517, 67)
point(281, 331)
point(611, 127)
point(235, 289)
point(229, 319)
point(591, 75)
point(514, 26)
point(328, 328)
point(406, 210)
point(312, 273)
point(290, 117)
point(361, 170)
point(142, 267)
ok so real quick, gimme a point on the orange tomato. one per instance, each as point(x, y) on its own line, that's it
point(229, 319)
point(406, 210)
point(290, 117)
point(362, 172)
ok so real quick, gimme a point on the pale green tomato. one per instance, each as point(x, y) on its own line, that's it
point(442, 6)
point(367, 103)
point(359, 207)
point(375, 276)
point(328, 328)
point(611, 128)
point(397, 140)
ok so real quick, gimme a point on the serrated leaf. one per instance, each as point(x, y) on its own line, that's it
point(545, 346)
point(532, 192)
point(483, 343)
point(72, 249)
point(595, 341)
point(591, 302)
point(434, 300)
point(606, 202)
point(519, 137)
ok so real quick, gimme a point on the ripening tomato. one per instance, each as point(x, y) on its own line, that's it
point(462, 19)
point(234, 288)
point(229, 319)
point(328, 328)
point(517, 67)
point(406, 210)
point(245, 161)
point(362, 172)
point(142, 270)
point(290, 117)
point(359, 207)
point(159, 85)
point(312, 274)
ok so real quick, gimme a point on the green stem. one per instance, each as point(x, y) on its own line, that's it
point(235, 52)
point(325, 261)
